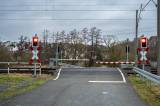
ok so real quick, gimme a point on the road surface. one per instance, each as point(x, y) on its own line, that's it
point(82, 87)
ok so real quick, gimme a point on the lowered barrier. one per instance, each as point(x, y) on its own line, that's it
point(114, 62)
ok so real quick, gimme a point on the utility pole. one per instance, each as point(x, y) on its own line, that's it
point(136, 38)
point(127, 51)
point(57, 50)
point(158, 36)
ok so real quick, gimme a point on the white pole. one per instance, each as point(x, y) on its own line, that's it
point(40, 70)
point(61, 56)
point(35, 70)
point(143, 66)
point(8, 68)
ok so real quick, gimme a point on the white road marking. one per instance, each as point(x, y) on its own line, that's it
point(107, 81)
point(124, 80)
point(104, 93)
point(58, 74)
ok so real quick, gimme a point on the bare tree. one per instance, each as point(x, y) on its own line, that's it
point(110, 42)
point(22, 46)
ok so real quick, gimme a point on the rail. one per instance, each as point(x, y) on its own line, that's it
point(147, 75)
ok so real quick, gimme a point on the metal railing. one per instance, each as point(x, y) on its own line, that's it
point(8, 66)
point(152, 77)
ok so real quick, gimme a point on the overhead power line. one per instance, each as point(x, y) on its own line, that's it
point(154, 3)
point(142, 8)
point(66, 2)
point(63, 10)
point(53, 5)
point(145, 5)
point(69, 19)
point(129, 33)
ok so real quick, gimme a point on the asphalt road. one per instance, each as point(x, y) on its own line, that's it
point(81, 87)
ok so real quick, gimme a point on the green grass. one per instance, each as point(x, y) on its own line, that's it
point(147, 91)
point(13, 80)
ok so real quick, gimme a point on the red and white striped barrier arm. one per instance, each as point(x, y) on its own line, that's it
point(117, 62)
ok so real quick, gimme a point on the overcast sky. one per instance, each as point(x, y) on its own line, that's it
point(120, 23)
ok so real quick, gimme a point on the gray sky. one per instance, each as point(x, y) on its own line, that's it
point(120, 23)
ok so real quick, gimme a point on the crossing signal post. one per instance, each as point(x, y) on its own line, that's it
point(35, 48)
point(143, 52)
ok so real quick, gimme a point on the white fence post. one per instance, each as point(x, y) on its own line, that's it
point(40, 70)
point(35, 69)
point(8, 68)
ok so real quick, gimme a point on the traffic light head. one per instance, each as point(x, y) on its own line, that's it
point(35, 41)
point(143, 42)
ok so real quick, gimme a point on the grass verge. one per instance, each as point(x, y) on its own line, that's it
point(147, 91)
point(20, 83)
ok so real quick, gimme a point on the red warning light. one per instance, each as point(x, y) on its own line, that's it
point(143, 42)
point(35, 41)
